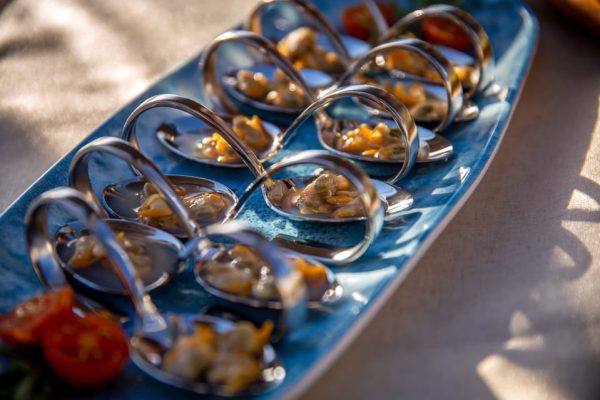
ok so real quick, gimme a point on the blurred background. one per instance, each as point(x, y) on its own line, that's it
point(510, 312)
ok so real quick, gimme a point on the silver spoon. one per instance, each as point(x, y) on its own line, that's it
point(155, 333)
point(359, 180)
point(198, 243)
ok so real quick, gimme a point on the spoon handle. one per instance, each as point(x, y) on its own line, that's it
point(380, 97)
point(43, 255)
point(362, 184)
point(477, 35)
point(213, 88)
point(79, 177)
point(254, 24)
point(199, 111)
point(450, 81)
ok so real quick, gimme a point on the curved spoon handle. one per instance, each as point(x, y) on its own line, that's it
point(43, 255)
point(362, 184)
point(382, 98)
point(79, 177)
point(254, 24)
point(450, 81)
point(213, 88)
point(479, 39)
point(288, 280)
point(196, 110)
point(483, 46)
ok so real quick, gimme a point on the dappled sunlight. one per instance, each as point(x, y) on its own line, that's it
point(555, 323)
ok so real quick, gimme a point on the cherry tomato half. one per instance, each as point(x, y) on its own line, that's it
point(85, 352)
point(441, 31)
point(22, 324)
point(358, 22)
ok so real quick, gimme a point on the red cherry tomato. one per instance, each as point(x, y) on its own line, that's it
point(446, 33)
point(358, 22)
point(85, 352)
point(22, 324)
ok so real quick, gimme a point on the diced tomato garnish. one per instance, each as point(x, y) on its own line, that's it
point(358, 21)
point(445, 32)
point(85, 352)
point(22, 324)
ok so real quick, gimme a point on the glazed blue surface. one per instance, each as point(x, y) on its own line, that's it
point(438, 189)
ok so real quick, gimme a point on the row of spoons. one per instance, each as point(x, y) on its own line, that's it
point(155, 334)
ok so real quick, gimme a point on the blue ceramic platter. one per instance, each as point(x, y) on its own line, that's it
point(439, 191)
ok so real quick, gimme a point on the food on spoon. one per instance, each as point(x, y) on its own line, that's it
point(231, 359)
point(315, 277)
point(300, 46)
point(410, 94)
point(192, 355)
point(250, 130)
point(155, 211)
point(329, 194)
point(279, 91)
point(240, 271)
point(89, 250)
point(380, 142)
point(414, 96)
point(409, 62)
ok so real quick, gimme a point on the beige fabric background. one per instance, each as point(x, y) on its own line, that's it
point(506, 302)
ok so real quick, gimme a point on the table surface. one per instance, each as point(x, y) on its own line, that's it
point(503, 305)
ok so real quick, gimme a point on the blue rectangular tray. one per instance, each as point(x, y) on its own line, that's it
point(439, 190)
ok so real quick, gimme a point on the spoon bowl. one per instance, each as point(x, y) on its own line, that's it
point(123, 199)
point(221, 90)
point(148, 354)
point(316, 80)
point(162, 248)
point(317, 298)
point(184, 135)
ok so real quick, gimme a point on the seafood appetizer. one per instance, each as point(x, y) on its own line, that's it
point(239, 271)
point(278, 91)
point(327, 194)
point(88, 251)
point(379, 141)
point(300, 46)
point(231, 359)
point(251, 131)
point(205, 206)
point(464, 65)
